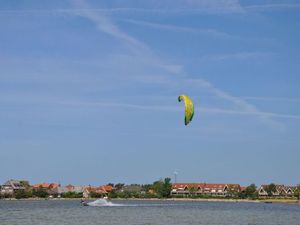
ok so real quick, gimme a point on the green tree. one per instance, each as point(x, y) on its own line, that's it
point(192, 190)
point(271, 189)
point(113, 194)
point(119, 186)
point(40, 193)
point(124, 194)
point(297, 192)
point(72, 194)
point(96, 195)
point(146, 187)
point(232, 193)
point(250, 192)
point(21, 194)
point(25, 184)
point(163, 187)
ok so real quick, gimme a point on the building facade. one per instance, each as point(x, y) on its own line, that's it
point(203, 189)
point(11, 186)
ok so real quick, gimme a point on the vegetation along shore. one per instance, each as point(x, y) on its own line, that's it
point(161, 189)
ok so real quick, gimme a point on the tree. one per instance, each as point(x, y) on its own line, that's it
point(96, 195)
point(297, 192)
point(192, 190)
point(271, 189)
point(146, 187)
point(231, 192)
point(41, 193)
point(119, 186)
point(21, 194)
point(25, 183)
point(157, 187)
point(113, 194)
point(72, 194)
point(250, 192)
point(163, 187)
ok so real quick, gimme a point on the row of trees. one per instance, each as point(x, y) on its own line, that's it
point(39, 193)
point(26, 194)
point(249, 193)
point(158, 189)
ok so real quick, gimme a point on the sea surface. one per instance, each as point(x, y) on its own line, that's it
point(72, 212)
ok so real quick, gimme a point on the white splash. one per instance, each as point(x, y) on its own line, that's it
point(102, 202)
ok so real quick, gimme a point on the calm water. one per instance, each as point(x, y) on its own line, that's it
point(143, 212)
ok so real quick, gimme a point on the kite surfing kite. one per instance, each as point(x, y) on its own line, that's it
point(189, 108)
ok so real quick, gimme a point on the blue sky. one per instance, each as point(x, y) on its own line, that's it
point(88, 91)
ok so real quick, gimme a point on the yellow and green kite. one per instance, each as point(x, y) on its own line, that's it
point(189, 108)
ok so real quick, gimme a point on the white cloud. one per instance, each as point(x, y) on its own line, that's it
point(209, 32)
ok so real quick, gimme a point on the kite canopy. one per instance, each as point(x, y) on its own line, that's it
point(189, 108)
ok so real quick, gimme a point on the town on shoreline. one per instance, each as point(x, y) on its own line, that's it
point(160, 189)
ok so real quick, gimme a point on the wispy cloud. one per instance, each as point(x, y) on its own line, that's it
point(186, 7)
point(281, 99)
point(105, 25)
point(208, 110)
point(149, 107)
point(209, 32)
point(173, 4)
point(177, 6)
point(123, 11)
point(198, 109)
point(237, 56)
point(247, 110)
point(273, 7)
point(142, 7)
point(249, 113)
point(243, 105)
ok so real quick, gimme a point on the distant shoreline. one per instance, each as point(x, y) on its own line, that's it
point(282, 201)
